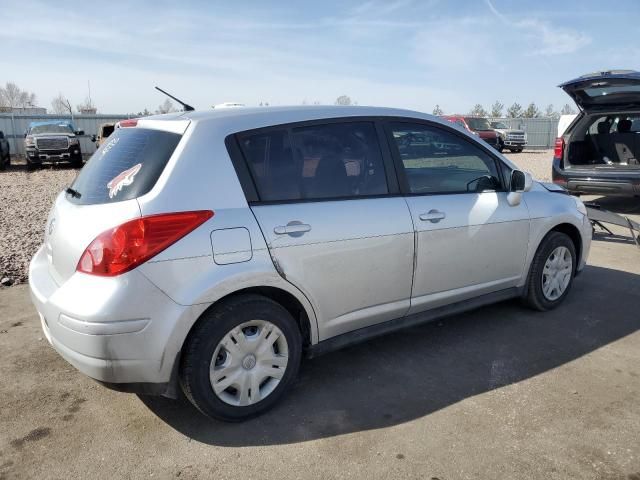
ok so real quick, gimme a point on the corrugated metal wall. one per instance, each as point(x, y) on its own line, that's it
point(14, 127)
point(541, 132)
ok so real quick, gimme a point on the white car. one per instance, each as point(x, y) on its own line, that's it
point(212, 250)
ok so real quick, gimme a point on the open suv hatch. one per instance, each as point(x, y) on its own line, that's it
point(599, 153)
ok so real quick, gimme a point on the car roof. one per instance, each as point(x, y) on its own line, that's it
point(256, 117)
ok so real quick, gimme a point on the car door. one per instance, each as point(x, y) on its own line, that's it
point(470, 241)
point(334, 222)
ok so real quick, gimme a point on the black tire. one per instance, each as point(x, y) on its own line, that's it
point(31, 166)
point(518, 150)
point(76, 162)
point(209, 331)
point(533, 295)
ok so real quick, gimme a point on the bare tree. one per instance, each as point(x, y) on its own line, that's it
point(478, 111)
point(567, 110)
point(551, 112)
point(496, 109)
point(11, 96)
point(87, 107)
point(532, 111)
point(343, 100)
point(61, 104)
point(166, 107)
point(437, 110)
point(514, 111)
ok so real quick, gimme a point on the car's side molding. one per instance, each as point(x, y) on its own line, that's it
point(366, 333)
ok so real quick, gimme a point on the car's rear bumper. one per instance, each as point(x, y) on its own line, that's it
point(595, 183)
point(115, 330)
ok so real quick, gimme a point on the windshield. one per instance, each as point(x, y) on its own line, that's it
point(478, 123)
point(51, 128)
point(499, 125)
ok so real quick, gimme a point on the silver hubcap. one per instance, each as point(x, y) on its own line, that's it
point(248, 363)
point(556, 274)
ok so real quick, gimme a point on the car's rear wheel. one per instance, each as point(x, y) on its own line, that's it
point(241, 358)
point(551, 273)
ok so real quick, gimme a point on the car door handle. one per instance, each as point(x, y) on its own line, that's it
point(292, 228)
point(433, 216)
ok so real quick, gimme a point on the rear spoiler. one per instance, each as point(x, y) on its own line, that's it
point(598, 217)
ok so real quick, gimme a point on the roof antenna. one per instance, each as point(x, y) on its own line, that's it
point(186, 106)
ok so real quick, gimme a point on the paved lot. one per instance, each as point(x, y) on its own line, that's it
point(501, 392)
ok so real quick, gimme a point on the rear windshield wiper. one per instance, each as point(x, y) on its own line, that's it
point(73, 193)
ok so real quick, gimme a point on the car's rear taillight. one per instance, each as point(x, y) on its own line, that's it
point(126, 246)
point(558, 151)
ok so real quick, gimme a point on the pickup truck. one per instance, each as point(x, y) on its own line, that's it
point(5, 156)
point(52, 141)
point(477, 126)
point(513, 139)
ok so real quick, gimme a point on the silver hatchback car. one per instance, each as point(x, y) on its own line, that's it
point(210, 251)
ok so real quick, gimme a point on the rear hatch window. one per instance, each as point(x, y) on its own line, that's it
point(126, 166)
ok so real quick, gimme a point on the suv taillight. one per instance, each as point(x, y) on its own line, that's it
point(126, 246)
point(558, 151)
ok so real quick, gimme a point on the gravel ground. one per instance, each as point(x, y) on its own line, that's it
point(25, 199)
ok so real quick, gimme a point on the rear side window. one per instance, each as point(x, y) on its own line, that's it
point(126, 166)
point(337, 160)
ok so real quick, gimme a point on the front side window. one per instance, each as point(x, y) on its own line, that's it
point(337, 160)
point(438, 161)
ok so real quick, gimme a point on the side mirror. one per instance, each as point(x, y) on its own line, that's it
point(93, 138)
point(79, 132)
point(520, 182)
point(517, 181)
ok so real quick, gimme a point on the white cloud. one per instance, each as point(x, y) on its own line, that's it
point(460, 45)
point(544, 38)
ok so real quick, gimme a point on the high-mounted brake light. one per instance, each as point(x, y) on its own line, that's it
point(126, 246)
point(128, 123)
point(558, 150)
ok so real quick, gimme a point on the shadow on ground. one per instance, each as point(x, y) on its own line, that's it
point(626, 206)
point(409, 374)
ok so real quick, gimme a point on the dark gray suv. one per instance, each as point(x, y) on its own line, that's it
point(599, 153)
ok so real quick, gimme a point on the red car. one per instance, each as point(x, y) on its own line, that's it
point(478, 126)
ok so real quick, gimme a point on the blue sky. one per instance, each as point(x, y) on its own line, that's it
point(404, 53)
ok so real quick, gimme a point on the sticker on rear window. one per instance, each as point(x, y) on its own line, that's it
point(123, 179)
point(108, 146)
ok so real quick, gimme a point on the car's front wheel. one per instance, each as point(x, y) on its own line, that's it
point(551, 273)
point(240, 358)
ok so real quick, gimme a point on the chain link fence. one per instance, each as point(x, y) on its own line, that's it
point(14, 127)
